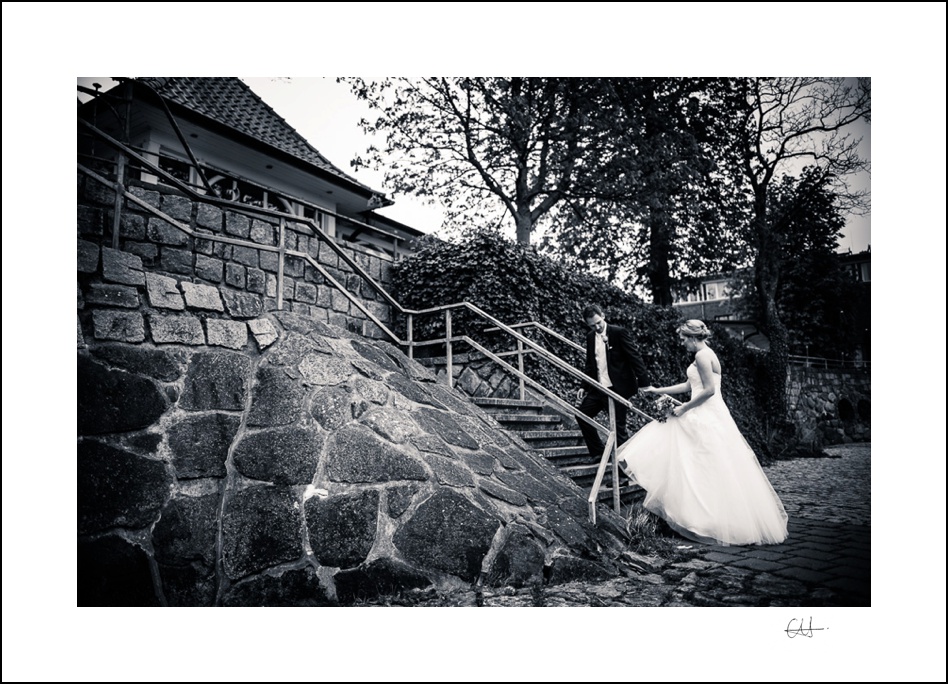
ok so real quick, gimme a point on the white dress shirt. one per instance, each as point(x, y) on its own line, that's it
point(602, 365)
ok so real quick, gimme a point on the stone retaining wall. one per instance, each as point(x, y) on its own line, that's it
point(830, 406)
point(195, 280)
point(232, 455)
point(476, 376)
point(310, 468)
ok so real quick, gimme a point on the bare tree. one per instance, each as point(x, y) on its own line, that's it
point(470, 142)
point(788, 123)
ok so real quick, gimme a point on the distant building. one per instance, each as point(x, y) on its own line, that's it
point(860, 265)
point(217, 135)
point(712, 300)
point(709, 301)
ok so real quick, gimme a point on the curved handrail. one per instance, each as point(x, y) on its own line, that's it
point(318, 232)
point(312, 227)
point(543, 328)
point(565, 340)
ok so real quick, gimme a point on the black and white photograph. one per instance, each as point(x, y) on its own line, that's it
point(515, 361)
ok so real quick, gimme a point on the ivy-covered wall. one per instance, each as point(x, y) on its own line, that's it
point(514, 283)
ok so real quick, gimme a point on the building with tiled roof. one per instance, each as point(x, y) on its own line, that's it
point(713, 299)
point(217, 135)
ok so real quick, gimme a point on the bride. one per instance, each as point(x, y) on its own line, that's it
point(698, 471)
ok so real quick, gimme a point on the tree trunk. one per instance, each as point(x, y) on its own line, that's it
point(766, 273)
point(659, 256)
point(524, 228)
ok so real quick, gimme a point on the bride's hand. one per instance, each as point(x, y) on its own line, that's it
point(678, 410)
point(649, 390)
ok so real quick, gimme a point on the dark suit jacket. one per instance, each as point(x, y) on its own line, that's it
point(626, 368)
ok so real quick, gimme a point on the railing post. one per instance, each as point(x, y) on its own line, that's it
point(119, 197)
point(447, 339)
point(411, 337)
point(282, 255)
point(523, 394)
point(614, 444)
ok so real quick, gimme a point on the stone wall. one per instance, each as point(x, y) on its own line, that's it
point(830, 406)
point(195, 280)
point(309, 467)
point(476, 376)
point(230, 454)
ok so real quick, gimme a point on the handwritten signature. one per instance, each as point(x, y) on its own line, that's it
point(797, 627)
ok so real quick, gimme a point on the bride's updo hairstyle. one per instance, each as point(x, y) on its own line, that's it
point(694, 328)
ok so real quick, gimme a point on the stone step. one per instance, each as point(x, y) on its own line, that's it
point(551, 438)
point(556, 452)
point(529, 435)
point(628, 494)
point(526, 419)
point(565, 456)
point(586, 470)
point(586, 482)
point(494, 405)
point(584, 474)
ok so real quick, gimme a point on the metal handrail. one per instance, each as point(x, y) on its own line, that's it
point(543, 328)
point(255, 245)
point(608, 450)
point(540, 326)
point(826, 363)
point(312, 228)
point(447, 309)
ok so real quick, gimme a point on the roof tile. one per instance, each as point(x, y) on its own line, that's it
point(231, 102)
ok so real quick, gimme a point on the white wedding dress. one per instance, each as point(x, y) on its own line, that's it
point(703, 478)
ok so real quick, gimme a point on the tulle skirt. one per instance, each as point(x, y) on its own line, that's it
point(703, 478)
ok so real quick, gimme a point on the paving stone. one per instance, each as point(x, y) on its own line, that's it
point(719, 557)
point(758, 564)
point(803, 574)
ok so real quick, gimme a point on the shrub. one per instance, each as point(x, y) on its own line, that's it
point(516, 284)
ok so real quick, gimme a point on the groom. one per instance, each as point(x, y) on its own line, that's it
point(613, 361)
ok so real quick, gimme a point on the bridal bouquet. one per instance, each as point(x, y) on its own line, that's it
point(664, 405)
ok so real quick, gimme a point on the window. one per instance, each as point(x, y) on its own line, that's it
point(246, 193)
point(178, 169)
point(716, 290)
point(311, 213)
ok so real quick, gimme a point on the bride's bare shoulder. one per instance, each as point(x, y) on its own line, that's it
point(708, 355)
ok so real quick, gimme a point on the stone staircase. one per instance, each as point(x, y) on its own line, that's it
point(559, 442)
